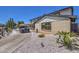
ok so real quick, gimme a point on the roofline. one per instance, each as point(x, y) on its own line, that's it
point(58, 16)
point(62, 10)
point(54, 13)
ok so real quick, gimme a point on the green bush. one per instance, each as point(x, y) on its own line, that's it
point(67, 41)
point(66, 38)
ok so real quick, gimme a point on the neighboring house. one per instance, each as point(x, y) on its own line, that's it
point(2, 29)
point(61, 20)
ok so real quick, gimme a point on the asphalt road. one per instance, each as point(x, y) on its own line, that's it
point(13, 42)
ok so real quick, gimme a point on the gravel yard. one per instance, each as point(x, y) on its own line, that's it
point(31, 43)
point(13, 41)
point(42, 45)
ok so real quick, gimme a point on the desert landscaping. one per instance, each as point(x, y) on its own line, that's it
point(32, 43)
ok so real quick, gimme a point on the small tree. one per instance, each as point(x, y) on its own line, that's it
point(20, 22)
point(10, 24)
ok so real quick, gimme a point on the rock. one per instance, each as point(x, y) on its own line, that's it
point(42, 45)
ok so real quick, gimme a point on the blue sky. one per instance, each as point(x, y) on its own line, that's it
point(26, 13)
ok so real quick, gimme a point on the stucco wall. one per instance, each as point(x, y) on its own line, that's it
point(56, 25)
point(61, 26)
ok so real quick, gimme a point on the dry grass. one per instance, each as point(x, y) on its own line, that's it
point(41, 35)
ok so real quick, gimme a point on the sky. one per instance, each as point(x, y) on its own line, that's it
point(26, 13)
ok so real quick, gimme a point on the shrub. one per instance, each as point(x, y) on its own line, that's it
point(41, 35)
point(9, 30)
point(72, 34)
point(66, 39)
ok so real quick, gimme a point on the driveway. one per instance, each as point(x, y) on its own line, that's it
point(13, 41)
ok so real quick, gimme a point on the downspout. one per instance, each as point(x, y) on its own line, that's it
point(71, 18)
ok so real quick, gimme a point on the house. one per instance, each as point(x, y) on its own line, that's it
point(61, 20)
point(2, 29)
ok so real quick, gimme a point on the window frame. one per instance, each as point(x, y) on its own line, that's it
point(46, 24)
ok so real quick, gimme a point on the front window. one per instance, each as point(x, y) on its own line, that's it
point(46, 26)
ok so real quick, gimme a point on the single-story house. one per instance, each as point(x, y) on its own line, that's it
point(61, 20)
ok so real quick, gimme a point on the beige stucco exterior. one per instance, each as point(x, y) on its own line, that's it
point(56, 25)
point(60, 26)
